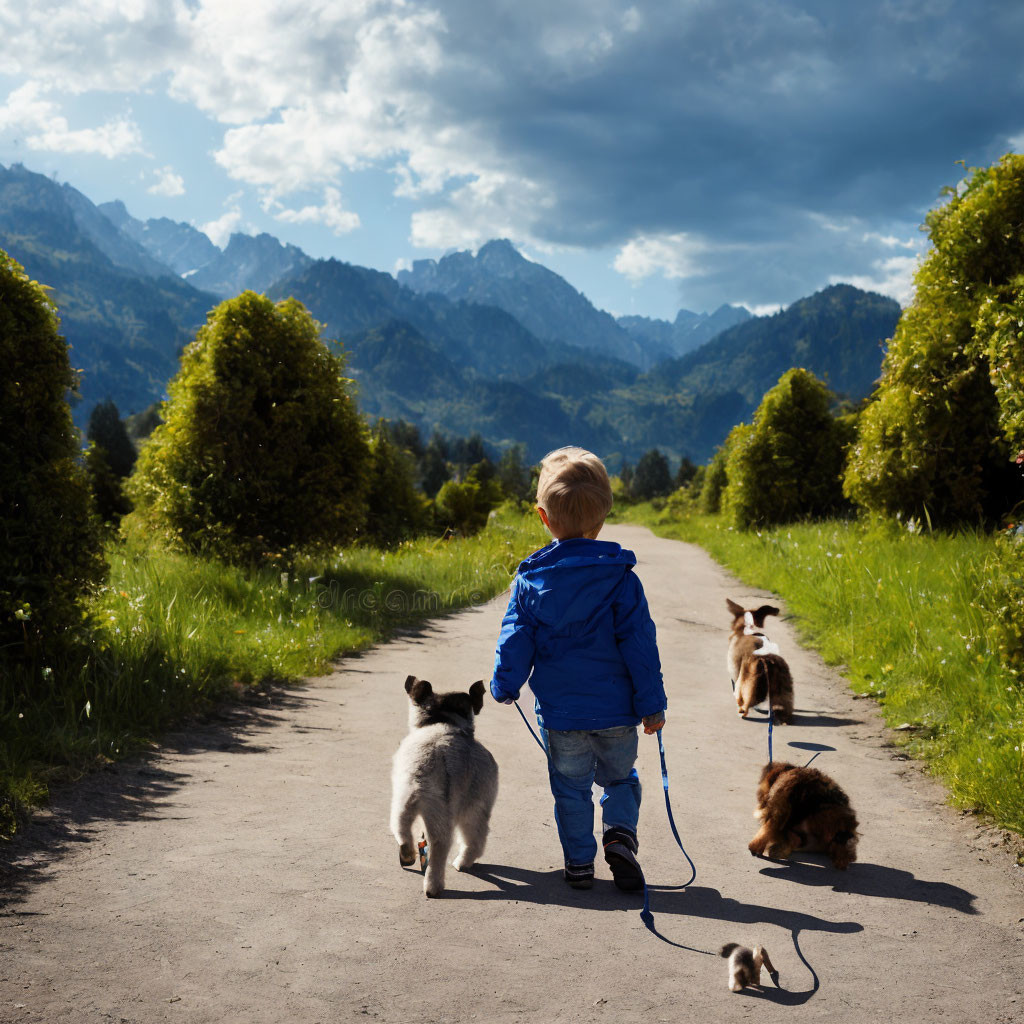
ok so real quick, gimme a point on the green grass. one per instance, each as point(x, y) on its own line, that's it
point(173, 634)
point(901, 613)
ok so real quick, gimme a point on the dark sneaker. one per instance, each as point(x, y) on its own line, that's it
point(579, 876)
point(620, 846)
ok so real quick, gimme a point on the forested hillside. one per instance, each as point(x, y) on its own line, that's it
point(492, 343)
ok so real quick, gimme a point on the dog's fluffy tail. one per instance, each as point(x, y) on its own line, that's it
point(726, 950)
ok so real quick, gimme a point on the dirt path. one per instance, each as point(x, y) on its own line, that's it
point(246, 873)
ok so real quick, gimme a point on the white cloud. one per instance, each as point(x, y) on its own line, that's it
point(167, 183)
point(219, 231)
point(671, 256)
point(29, 112)
point(893, 276)
point(1017, 143)
point(762, 309)
point(492, 205)
point(331, 214)
point(891, 241)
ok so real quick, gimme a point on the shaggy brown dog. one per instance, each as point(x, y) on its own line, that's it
point(803, 809)
point(756, 677)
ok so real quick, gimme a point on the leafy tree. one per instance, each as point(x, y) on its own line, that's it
point(626, 478)
point(513, 473)
point(715, 478)
point(107, 431)
point(947, 419)
point(49, 538)
point(787, 465)
point(406, 437)
point(652, 478)
point(262, 450)
point(465, 506)
point(468, 451)
point(435, 465)
point(141, 424)
point(109, 458)
point(108, 491)
point(686, 472)
point(395, 510)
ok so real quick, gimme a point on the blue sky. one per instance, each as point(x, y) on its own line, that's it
point(657, 154)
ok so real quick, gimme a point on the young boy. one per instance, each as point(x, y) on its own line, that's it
point(578, 621)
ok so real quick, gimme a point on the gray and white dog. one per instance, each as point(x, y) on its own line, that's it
point(443, 775)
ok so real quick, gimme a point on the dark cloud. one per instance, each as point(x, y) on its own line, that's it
point(734, 120)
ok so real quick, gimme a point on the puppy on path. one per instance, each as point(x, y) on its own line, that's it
point(745, 965)
point(445, 776)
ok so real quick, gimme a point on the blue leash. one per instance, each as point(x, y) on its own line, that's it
point(646, 916)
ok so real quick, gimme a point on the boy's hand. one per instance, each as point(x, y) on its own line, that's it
point(653, 723)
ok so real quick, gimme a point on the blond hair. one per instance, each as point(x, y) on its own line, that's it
point(574, 491)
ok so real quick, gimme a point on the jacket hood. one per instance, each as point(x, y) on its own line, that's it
point(565, 582)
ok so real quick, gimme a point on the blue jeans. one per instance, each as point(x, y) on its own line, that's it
point(577, 758)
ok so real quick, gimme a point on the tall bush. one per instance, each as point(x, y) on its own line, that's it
point(395, 509)
point(261, 451)
point(714, 480)
point(939, 438)
point(49, 537)
point(109, 459)
point(651, 478)
point(787, 465)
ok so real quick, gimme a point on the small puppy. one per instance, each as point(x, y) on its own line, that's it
point(740, 644)
point(803, 809)
point(443, 775)
point(745, 965)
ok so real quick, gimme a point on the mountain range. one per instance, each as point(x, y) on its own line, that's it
point(489, 342)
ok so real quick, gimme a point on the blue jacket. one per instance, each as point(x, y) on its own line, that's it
point(578, 620)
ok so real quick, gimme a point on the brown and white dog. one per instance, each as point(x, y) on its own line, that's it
point(745, 965)
point(757, 670)
point(803, 809)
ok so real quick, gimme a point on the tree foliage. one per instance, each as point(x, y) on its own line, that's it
point(107, 430)
point(714, 479)
point(513, 473)
point(261, 451)
point(651, 478)
point(949, 414)
point(395, 509)
point(464, 506)
point(49, 538)
point(787, 465)
point(109, 458)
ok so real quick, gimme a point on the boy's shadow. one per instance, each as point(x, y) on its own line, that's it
point(548, 888)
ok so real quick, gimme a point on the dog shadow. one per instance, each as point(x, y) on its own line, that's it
point(873, 880)
point(804, 717)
